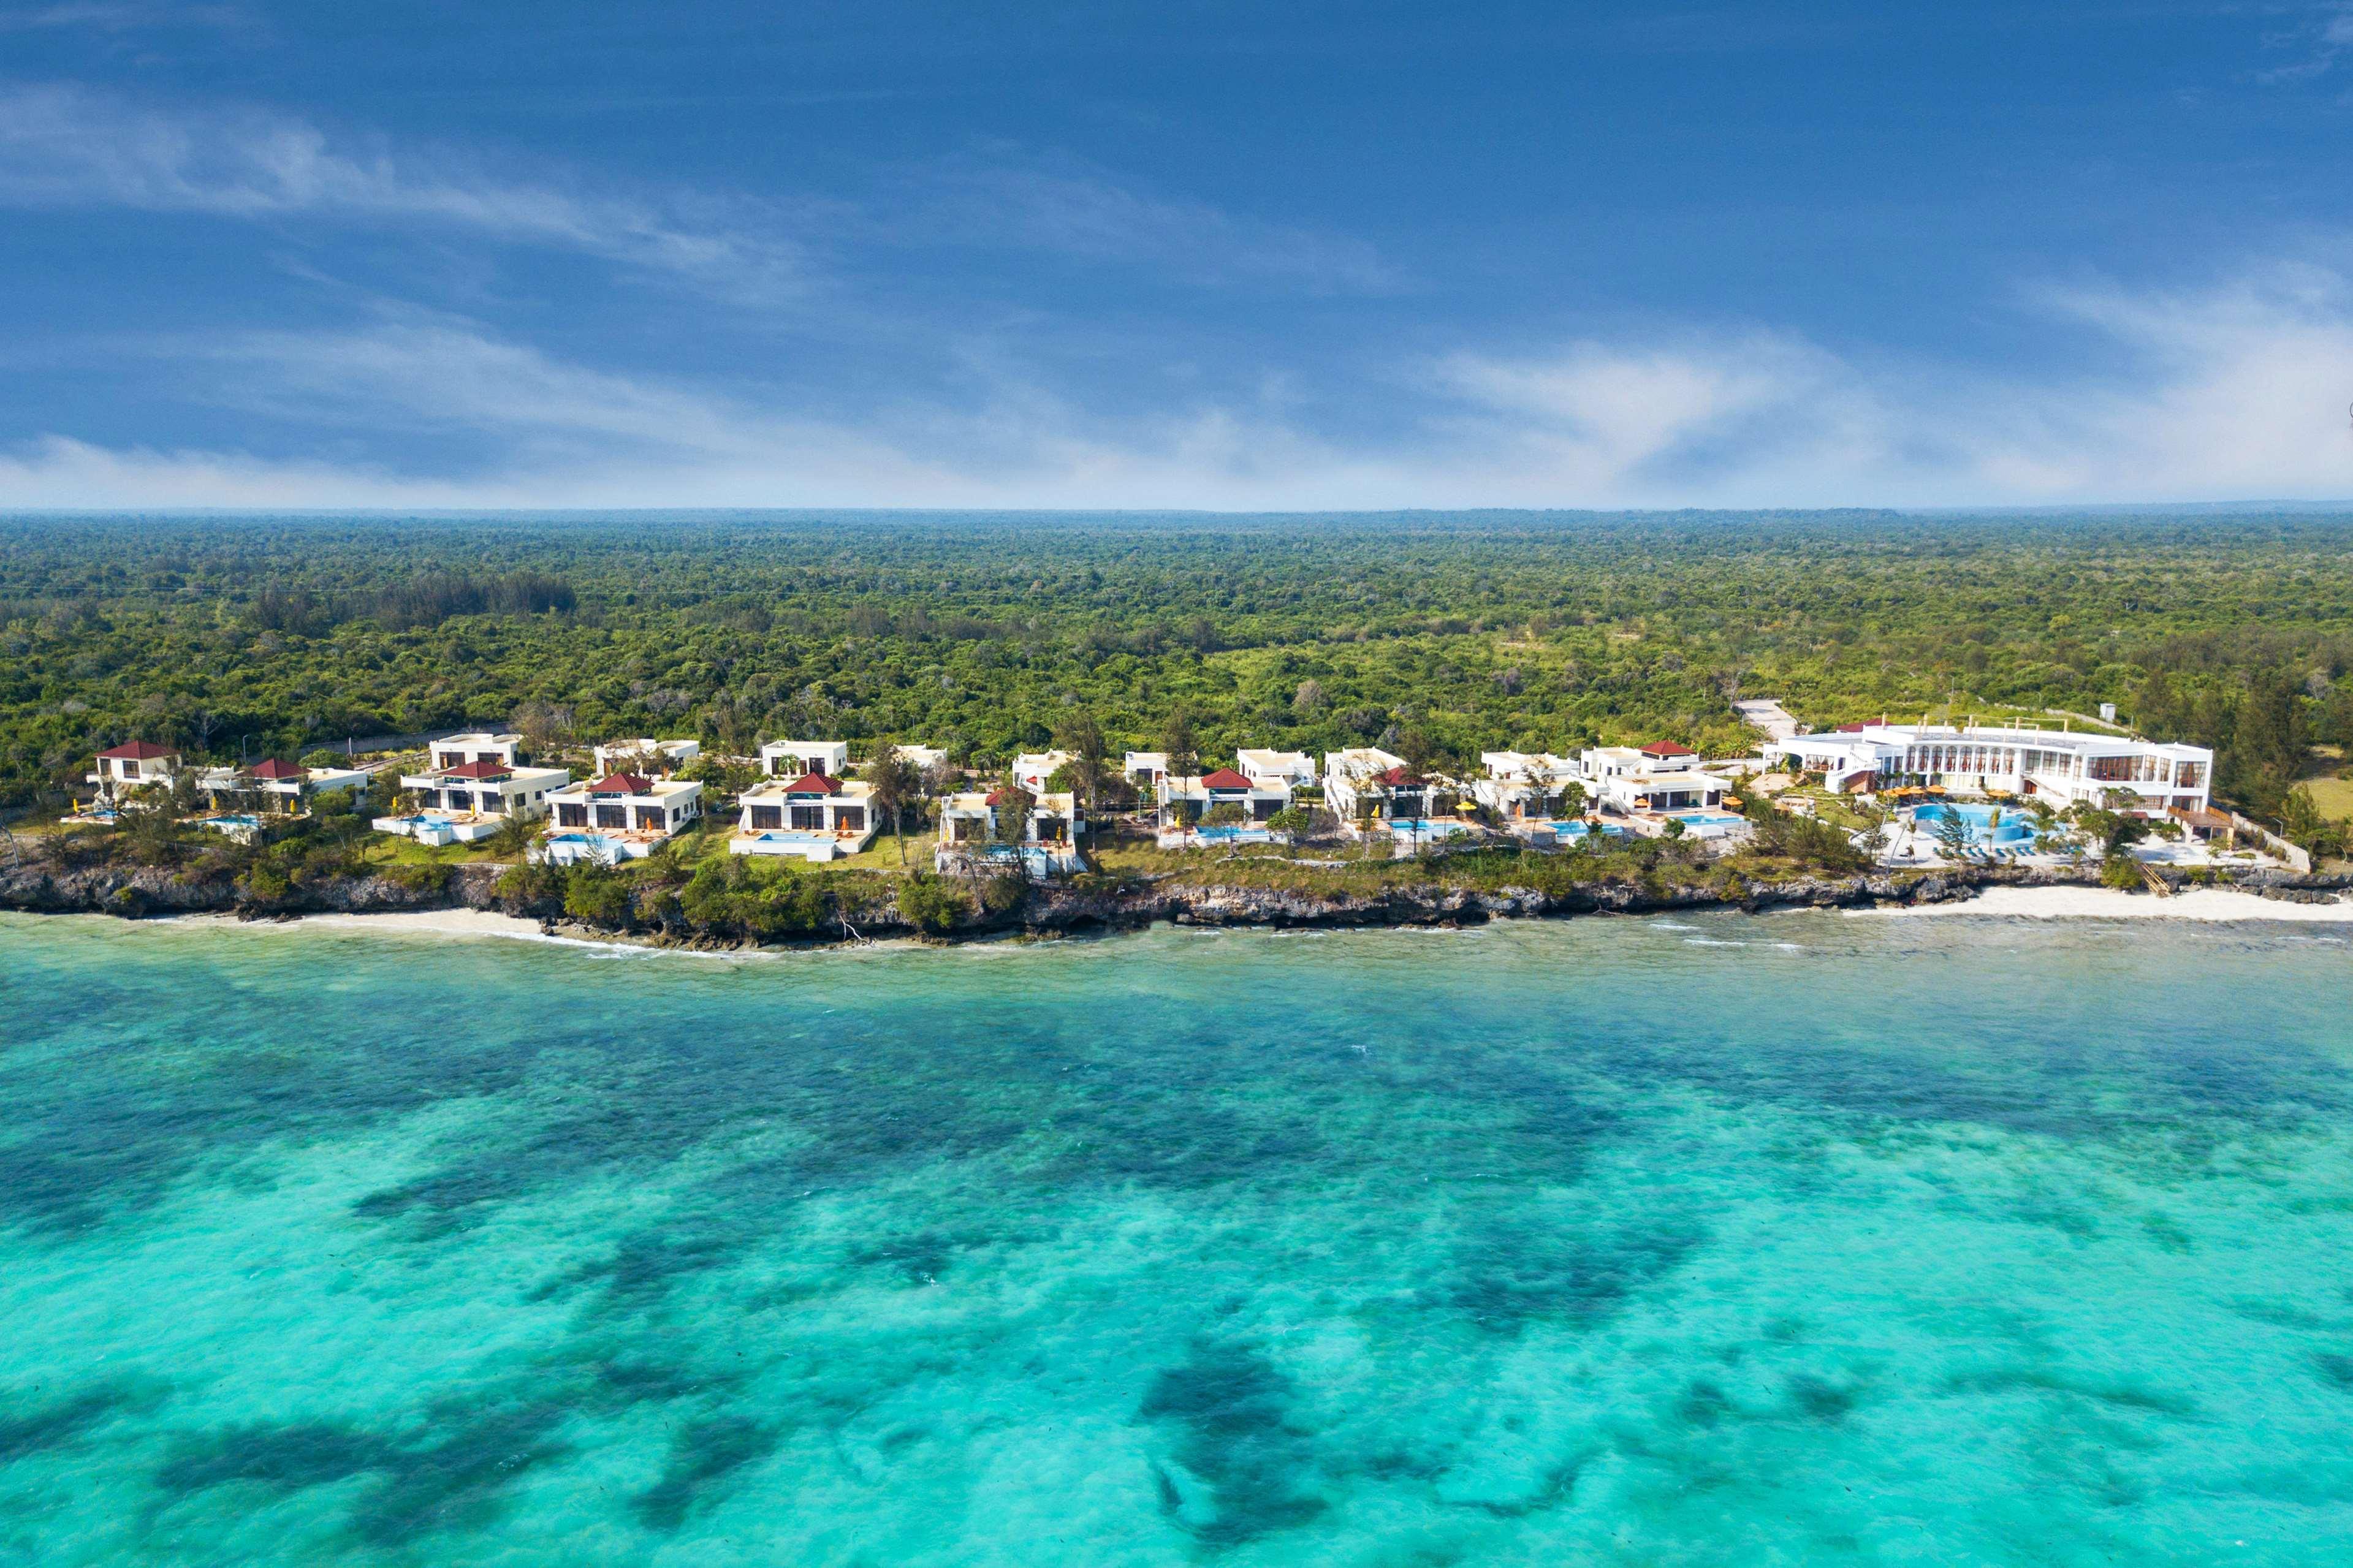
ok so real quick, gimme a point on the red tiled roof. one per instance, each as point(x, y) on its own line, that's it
point(1225, 778)
point(271, 768)
point(1667, 749)
point(813, 783)
point(478, 770)
point(1850, 729)
point(1397, 776)
point(622, 783)
point(140, 751)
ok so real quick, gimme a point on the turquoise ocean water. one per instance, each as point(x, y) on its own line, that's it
point(1792, 1239)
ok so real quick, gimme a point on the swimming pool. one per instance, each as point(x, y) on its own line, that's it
point(1232, 833)
point(436, 828)
point(1577, 829)
point(1424, 827)
point(1990, 826)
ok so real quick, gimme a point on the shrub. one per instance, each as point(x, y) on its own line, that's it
point(528, 884)
point(426, 878)
point(266, 883)
point(932, 904)
point(1004, 894)
point(2120, 871)
point(598, 894)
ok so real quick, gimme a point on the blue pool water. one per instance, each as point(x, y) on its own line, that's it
point(1992, 826)
point(1232, 833)
point(1578, 829)
point(1709, 818)
point(1798, 1239)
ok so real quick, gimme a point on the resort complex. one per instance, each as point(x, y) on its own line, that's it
point(2065, 768)
point(1916, 793)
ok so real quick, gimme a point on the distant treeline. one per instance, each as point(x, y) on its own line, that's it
point(426, 600)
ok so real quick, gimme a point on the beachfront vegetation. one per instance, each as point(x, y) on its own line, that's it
point(1434, 636)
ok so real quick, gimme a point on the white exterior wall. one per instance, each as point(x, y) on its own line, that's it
point(2064, 766)
point(1344, 771)
point(791, 759)
point(1261, 800)
point(475, 746)
point(1261, 766)
point(1032, 769)
point(674, 754)
point(522, 792)
point(667, 807)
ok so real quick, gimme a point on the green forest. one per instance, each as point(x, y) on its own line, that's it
point(247, 636)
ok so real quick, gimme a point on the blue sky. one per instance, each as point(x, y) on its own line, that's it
point(1361, 254)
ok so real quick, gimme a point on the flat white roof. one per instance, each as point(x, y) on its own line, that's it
point(1904, 735)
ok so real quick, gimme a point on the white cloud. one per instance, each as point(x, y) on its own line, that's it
point(61, 146)
point(122, 17)
point(2233, 393)
point(65, 147)
point(1059, 205)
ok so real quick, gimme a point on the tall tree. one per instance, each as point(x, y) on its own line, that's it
point(1089, 758)
point(1180, 744)
point(895, 783)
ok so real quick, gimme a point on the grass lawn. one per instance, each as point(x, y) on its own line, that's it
point(2333, 795)
point(388, 849)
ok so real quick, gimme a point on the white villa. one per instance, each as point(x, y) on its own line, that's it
point(620, 816)
point(475, 746)
point(1294, 770)
point(2065, 767)
point(1523, 786)
point(1183, 803)
point(122, 769)
point(924, 758)
point(660, 756)
point(817, 817)
point(791, 759)
point(1032, 769)
point(968, 832)
point(282, 786)
point(1363, 772)
point(1662, 777)
point(468, 800)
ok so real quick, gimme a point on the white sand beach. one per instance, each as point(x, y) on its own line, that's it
point(2105, 903)
point(432, 923)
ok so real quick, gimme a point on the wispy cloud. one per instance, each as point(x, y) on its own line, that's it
point(120, 17)
point(1005, 198)
point(66, 147)
point(2234, 392)
point(2317, 40)
point(63, 146)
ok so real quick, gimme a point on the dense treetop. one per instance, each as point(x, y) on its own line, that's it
point(987, 632)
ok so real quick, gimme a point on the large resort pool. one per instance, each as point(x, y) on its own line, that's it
point(1990, 826)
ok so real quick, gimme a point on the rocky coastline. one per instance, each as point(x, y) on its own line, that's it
point(137, 893)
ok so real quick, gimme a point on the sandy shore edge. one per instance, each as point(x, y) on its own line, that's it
point(2202, 904)
point(2107, 903)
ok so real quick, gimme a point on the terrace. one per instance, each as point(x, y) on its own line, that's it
point(814, 817)
point(620, 816)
